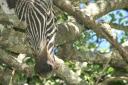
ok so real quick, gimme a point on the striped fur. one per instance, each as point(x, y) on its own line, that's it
point(41, 29)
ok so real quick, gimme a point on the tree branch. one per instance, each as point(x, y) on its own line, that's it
point(106, 6)
point(108, 81)
point(100, 29)
point(14, 43)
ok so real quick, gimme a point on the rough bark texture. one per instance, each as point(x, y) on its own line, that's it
point(12, 40)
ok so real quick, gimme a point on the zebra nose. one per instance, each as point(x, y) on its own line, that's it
point(43, 68)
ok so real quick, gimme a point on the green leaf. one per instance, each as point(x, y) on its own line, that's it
point(110, 70)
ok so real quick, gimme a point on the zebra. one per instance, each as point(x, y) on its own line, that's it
point(40, 32)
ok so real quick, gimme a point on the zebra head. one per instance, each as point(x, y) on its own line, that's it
point(45, 62)
point(40, 31)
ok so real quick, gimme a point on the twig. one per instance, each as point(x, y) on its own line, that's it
point(103, 71)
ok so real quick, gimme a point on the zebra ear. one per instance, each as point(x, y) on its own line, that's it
point(11, 3)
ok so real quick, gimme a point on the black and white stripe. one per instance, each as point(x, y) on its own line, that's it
point(41, 28)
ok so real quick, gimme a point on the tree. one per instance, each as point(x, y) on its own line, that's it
point(83, 62)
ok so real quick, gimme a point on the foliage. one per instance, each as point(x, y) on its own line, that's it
point(88, 41)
